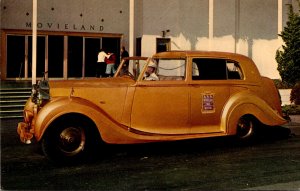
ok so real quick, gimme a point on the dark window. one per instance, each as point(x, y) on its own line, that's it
point(40, 56)
point(209, 69)
point(138, 49)
point(75, 50)
point(15, 56)
point(92, 47)
point(55, 56)
point(163, 44)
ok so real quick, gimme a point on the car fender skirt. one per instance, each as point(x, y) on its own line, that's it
point(247, 104)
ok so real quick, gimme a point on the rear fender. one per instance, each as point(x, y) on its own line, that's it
point(246, 103)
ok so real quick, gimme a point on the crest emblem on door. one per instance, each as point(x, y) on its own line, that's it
point(208, 103)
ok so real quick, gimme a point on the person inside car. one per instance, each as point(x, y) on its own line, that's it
point(150, 72)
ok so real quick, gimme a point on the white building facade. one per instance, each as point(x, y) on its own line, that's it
point(71, 32)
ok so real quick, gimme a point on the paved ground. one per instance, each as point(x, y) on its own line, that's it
point(211, 164)
point(294, 126)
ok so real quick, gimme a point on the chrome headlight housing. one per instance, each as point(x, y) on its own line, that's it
point(40, 92)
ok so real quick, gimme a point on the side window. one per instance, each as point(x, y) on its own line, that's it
point(209, 69)
point(234, 71)
point(215, 69)
point(171, 69)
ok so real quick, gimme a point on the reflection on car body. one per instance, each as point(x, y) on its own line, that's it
point(198, 94)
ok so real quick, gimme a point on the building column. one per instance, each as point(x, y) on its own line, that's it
point(279, 16)
point(279, 26)
point(237, 26)
point(34, 40)
point(131, 28)
point(210, 24)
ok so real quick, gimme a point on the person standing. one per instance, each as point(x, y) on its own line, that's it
point(101, 65)
point(124, 54)
point(110, 65)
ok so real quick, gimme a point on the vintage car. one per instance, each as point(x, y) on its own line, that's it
point(193, 94)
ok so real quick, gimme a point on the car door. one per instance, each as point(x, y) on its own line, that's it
point(210, 91)
point(162, 107)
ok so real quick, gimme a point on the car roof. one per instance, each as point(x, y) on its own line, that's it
point(209, 54)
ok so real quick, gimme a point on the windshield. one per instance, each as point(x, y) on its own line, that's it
point(131, 67)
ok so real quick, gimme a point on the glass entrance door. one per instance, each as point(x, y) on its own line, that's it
point(55, 56)
point(92, 47)
point(60, 56)
point(40, 56)
point(15, 56)
point(112, 45)
point(75, 56)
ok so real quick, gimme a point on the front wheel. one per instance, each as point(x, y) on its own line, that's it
point(68, 141)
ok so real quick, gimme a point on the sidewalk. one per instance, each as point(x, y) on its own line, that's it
point(294, 124)
point(295, 118)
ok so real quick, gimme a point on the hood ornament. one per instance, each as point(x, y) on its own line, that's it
point(72, 92)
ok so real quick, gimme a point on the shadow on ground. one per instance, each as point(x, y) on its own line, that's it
point(265, 135)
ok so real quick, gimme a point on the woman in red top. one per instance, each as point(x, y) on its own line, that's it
point(110, 65)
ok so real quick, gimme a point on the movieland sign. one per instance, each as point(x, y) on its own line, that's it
point(66, 26)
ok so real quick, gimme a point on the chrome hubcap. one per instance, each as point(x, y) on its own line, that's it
point(71, 140)
point(244, 127)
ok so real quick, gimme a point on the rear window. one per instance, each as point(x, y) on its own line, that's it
point(216, 69)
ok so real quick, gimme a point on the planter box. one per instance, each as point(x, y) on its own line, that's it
point(285, 96)
point(295, 118)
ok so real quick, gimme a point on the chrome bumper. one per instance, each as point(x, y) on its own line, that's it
point(25, 132)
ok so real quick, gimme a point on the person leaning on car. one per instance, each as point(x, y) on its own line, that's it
point(150, 72)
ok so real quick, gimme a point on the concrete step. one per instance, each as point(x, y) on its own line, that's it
point(13, 96)
point(5, 99)
point(12, 102)
point(11, 114)
point(13, 93)
point(9, 108)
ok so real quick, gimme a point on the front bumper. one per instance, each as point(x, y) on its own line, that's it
point(26, 129)
point(25, 132)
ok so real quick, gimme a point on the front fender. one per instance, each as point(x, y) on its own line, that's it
point(64, 105)
point(247, 103)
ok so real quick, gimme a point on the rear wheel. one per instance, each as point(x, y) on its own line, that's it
point(246, 127)
point(68, 140)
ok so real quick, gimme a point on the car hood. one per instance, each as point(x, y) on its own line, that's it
point(109, 94)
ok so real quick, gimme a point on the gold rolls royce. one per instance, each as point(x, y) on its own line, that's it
point(171, 96)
